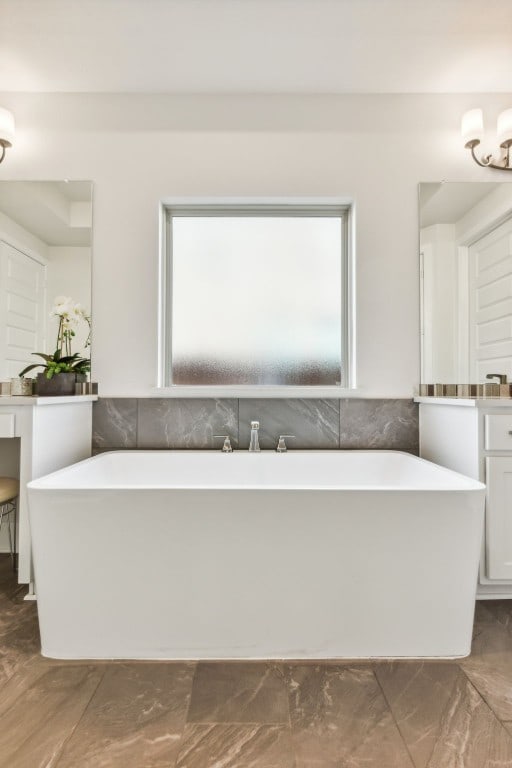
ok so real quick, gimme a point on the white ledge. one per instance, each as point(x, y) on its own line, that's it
point(242, 391)
point(471, 402)
point(56, 400)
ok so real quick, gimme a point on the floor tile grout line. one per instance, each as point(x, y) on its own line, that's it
point(185, 718)
point(70, 736)
point(390, 709)
point(187, 711)
point(290, 727)
point(257, 723)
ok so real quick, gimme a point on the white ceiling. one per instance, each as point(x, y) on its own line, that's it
point(256, 46)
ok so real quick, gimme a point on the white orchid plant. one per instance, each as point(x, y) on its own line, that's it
point(69, 314)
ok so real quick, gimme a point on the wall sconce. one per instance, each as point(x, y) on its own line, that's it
point(6, 130)
point(472, 129)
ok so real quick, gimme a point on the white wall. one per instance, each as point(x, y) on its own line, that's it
point(140, 149)
point(440, 296)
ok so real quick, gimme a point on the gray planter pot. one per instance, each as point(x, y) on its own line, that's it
point(60, 384)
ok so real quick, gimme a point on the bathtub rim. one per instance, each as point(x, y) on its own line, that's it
point(465, 483)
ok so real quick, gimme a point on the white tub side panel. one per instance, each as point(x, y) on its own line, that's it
point(449, 436)
point(54, 436)
point(267, 574)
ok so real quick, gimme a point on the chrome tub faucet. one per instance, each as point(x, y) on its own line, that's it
point(254, 444)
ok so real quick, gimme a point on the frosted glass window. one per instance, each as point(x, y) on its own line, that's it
point(256, 299)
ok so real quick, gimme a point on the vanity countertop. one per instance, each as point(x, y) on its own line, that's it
point(56, 400)
point(471, 402)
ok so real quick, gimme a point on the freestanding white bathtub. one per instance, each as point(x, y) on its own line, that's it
point(205, 555)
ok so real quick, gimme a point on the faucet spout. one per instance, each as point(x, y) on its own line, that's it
point(502, 377)
point(254, 444)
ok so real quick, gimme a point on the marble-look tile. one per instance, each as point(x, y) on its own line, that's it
point(190, 423)
point(419, 695)
point(339, 717)
point(135, 718)
point(315, 423)
point(26, 673)
point(489, 667)
point(60, 714)
point(470, 735)
point(114, 423)
point(241, 692)
point(483, 614)
point(489, 611)
point(34, 730)
point(442, 718)
point(19, 635)
point(236, 746)
point(379, 424)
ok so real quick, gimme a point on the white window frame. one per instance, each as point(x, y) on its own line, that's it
point(257, 206)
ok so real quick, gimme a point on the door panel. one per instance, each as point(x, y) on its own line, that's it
point(22, 309)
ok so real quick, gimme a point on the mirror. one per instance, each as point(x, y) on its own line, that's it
point(465, 281)
point(45, 253)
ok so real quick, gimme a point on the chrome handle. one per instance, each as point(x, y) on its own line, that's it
point(226, 448)
point(281, 445)
point(502, 377)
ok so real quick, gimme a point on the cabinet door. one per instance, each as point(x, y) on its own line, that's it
point(499, 517)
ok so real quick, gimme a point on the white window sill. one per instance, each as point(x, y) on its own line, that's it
point(241, 391)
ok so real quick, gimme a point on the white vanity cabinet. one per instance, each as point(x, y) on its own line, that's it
point(474, 436)
point(53, 432)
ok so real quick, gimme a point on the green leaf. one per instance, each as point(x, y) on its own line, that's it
point(29, 368)
point(48, 358)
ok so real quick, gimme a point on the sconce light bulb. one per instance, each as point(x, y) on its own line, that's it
point(6, 127)
point(504, 129)
point(472, 127)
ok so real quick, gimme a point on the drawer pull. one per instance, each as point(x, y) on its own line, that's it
point(510, 431)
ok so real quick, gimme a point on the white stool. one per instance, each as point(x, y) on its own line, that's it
point(9, 490)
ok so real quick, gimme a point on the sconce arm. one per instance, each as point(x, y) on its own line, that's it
point(485, 162)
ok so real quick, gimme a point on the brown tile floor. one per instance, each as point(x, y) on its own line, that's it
point(253, 715)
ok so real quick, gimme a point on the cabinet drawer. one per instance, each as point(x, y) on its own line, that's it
point(498, 433)
point(6, 424)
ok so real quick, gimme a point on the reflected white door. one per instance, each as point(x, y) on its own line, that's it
point(490, 320)
point(22, 309)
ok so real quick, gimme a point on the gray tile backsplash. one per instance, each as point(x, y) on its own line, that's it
point(314, 423)
point(186, 423)
point(350, 423)
point(379, 424)
point(114, 423)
